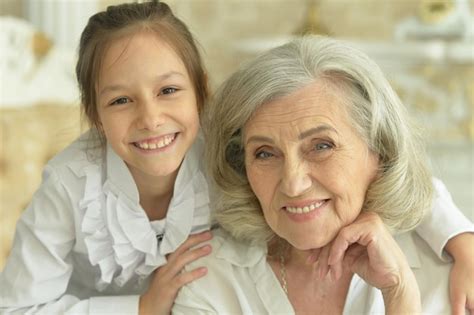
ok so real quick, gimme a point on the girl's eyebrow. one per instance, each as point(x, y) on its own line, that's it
point(161, 77)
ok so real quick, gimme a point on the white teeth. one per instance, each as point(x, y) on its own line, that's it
point(305, 209)
point(163, 142)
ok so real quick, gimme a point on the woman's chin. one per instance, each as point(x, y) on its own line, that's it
point(308, 244)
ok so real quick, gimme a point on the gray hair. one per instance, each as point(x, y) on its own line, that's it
point(402, 192)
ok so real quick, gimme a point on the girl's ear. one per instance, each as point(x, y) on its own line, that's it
point(99, 127)
point(206, 90)
point(206, 84)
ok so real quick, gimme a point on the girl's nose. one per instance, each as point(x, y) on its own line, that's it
point(149, 116)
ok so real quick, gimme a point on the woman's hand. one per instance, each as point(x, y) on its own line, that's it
point(461, 278)
point(169, 278)
point(367, 248)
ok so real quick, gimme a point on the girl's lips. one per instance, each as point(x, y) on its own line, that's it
point(155, 143)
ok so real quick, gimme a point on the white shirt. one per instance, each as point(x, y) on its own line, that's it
point(240, 281)
point(85, 245)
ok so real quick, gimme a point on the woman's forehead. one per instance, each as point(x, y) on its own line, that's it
point(315, 100)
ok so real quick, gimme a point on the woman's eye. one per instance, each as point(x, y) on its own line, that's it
point(120, 101)
point(322, 146)
point(169, 90)
point(262, 155)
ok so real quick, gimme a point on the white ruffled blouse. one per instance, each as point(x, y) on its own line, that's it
point(85, 245)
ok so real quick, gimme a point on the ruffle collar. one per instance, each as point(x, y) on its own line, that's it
point(118, 235)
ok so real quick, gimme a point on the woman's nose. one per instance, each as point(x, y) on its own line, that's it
point(295, 179)
point(149, 116)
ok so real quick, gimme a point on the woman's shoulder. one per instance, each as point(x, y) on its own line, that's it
point(227, 252)
point(432, 274)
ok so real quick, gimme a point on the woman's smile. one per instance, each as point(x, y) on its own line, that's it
point(308, 212)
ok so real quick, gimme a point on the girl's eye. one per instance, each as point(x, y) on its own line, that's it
point(120, 101)
point(322, 146)
point(169, 90)
point(263, 155)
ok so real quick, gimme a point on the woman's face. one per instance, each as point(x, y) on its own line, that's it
point(307, 165)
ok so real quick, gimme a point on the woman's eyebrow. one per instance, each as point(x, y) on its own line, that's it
point(302, 135)
point(260, 139)
point(315, 130)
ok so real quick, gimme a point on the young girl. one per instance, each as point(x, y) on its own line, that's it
point(121, 200)
point(109, 229)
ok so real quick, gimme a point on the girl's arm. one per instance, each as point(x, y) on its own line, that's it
point(448, 231)
point(39, 267)
point(461, 278)
point(444, 222)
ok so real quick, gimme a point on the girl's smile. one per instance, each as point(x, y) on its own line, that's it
point(157, 144)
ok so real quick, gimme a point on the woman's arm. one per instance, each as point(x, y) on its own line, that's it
point(367, 248)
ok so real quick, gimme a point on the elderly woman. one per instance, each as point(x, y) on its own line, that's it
point(317, 168)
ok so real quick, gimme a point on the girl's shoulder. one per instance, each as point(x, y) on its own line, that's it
point(85, 151)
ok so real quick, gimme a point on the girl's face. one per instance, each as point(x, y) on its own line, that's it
point(147, 104)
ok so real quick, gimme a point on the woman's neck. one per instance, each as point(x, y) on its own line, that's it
point(155, 193)
point(307, 292)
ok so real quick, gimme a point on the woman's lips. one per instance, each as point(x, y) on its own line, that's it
point(307, 212)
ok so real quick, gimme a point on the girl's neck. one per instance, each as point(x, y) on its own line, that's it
point(155, 193)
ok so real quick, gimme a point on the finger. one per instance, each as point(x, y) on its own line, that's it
point(174, 267)
point(355, 258)
point(470, 303)
point(192, 241)
point(170, 290)
point(352, 253)
point(458, 302)
point(189, 276)
point(362, 232)
point(470, 306)
point(336, 271)
point(313, 257)
point(343, 240)
point(323, 266)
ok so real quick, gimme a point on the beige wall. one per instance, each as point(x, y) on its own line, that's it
point(11, 7)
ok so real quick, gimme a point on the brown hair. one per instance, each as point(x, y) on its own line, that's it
point(120, 20)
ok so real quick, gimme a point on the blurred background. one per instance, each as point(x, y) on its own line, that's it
point(425, 47)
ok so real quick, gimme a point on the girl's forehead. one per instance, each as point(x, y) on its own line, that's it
point(126, 46)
